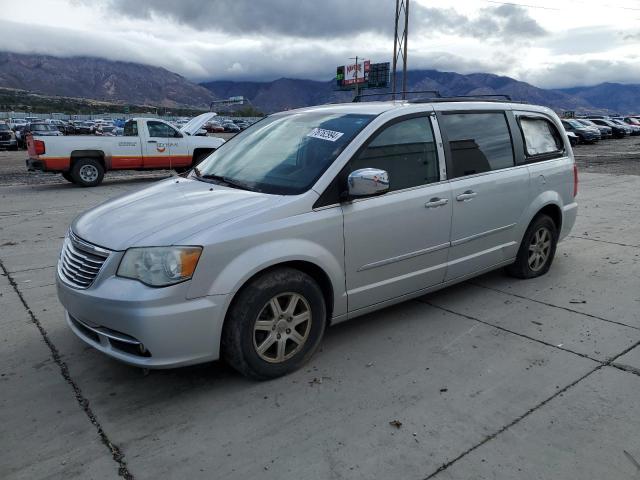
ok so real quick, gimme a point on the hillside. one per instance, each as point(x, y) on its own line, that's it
point(288, 93)
point(614, 96)
point(99, 79)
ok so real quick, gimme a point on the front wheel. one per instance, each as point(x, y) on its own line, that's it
point(274, 325)
point(87, 172)
point(537, 249)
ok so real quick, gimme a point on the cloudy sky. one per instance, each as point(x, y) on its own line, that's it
point(549, 43)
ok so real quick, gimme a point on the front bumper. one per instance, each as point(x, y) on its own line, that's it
point(142, 326)
point(8, 143)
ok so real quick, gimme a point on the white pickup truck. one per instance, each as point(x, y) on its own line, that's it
point(147, 144)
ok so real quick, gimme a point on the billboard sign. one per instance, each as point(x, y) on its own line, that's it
point(363, 75)
point(356, 73)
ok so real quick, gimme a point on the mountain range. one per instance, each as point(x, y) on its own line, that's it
point(100, 79)
point(134, 83)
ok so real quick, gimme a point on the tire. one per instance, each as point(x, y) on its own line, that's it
point(87, 172)
point(197, 158)
point(67, 176)
point(242, 337)
point(541, 230)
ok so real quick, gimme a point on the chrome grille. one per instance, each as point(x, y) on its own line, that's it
point(80, 262)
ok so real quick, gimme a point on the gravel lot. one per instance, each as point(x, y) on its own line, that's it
point(491, 379)
point(615, 156)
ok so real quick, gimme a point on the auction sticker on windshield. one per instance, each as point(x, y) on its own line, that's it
point(323, 134)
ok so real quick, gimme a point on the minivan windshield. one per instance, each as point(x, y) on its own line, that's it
point(283, 154)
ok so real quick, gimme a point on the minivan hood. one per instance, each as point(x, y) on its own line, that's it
point(166, 213)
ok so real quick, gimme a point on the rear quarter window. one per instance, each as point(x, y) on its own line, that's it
point(541, 138)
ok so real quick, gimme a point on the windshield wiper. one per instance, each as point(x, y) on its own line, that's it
point(231, 182)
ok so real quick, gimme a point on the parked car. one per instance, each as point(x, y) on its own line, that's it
point(42, 130)
point(584, 133)
point(631, 129)
point(618, 130)
point(573, 138)
point(147, 144)
point(631, 120)
point(312, 217)
point(213, 127)
point(20, 135)
point(84, 128)
point(605, 132)
point(230, 127)
point(61, 125)
point(106, 130)
point(15, 122)
point(7, 137)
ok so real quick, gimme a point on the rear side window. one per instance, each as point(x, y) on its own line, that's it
point(541, 138)
point(406, 151)
point(478, 142)
point(130, 129)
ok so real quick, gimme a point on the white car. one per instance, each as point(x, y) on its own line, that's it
point(146, 144)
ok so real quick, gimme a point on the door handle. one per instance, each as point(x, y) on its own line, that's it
point(152, 141)
point(466, 196)
point(436, 202)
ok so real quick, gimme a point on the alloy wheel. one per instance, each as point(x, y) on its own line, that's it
point(282, 327)
point(539, 249)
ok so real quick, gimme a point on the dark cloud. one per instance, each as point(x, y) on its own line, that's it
point(329, 18)
point(295, 18)
point(508, 22)
point(583, 73)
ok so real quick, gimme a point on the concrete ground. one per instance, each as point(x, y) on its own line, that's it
point(492, 379)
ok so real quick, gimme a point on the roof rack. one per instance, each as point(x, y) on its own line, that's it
point(467, 98)
point(358, 98)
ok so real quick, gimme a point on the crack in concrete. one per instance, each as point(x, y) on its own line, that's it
point(552, 305)
point(537, 340)
point(488, 438)
point(603, 241)
point(117, 455)
point(626, 368)
point(31, 269)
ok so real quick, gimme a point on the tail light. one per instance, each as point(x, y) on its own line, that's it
point(38, 145)
point(575, 180)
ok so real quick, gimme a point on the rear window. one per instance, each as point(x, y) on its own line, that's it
point(479, 142)
point(541, 137)
point(130, 129)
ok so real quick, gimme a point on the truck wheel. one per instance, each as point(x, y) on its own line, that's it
point(87, 172)
point(67, 176)
point(274, 325)
point(537, 249)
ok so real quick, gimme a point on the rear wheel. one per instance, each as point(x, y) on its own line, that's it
point(275, 324)
point(87, 172)
point(537, 249)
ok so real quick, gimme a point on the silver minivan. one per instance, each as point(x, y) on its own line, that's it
point(315, 216)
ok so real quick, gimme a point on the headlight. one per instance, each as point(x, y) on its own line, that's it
point(159, 266)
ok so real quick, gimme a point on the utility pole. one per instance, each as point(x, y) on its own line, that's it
point(357, 86)
point(400, 46)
